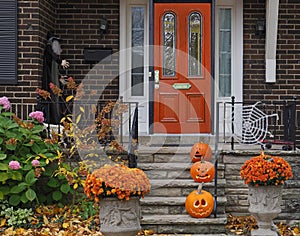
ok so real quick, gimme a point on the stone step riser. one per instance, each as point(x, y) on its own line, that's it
point(173, 210)
point(186, 228)
point(170, 174)
point(182, 191)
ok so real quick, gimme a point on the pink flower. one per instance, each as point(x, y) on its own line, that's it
point(51, 85)
point(35, 163)
point(14, 165)
point(5, 103)
point(38, 115)
point(70, 79)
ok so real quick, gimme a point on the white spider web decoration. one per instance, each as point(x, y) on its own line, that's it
point(251, 125)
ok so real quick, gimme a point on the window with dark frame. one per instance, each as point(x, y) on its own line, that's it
point(8, 41)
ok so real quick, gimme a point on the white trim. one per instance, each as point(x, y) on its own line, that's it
point(237, 48)
point(272, 7)
point(236, 59)
point(125, 61)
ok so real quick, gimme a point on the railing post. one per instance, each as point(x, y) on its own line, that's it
point(232, 121)
point(133, 140)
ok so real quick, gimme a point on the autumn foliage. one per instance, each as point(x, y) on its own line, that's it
point(116, 181)
point(266, 170)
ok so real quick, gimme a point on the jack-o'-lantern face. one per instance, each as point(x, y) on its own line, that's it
point(199, 205)
point(202, 171)
point(201, 151)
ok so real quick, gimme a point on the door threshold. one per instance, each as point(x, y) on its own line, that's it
point(164, 140)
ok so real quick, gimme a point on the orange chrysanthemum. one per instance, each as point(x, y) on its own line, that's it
point(117, 181)
point(266, 170)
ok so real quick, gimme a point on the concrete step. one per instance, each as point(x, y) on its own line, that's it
point(172, 170)
point(172, 205)
point(183, 224)
point(171, 140)
point(168, 168)
point(165, 154)
point(182, 187)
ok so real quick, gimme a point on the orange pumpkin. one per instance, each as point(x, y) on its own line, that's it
point(199, 204)
point(202, 171)
point(200, 151)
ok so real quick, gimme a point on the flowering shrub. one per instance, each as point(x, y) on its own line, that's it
point(266, 170)
point(38, 115)
point(25, 157)
point(117, 181)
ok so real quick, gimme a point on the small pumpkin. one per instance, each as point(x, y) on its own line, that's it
point(202, 171)
point(200, 151)
point(199, 203)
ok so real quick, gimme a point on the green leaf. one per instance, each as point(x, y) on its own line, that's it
point(1, 196)
point(2, 156)
point(57, 195)
point(24, 199)
point(35, 137)
point(1, 139)
point(28, 144)
point(53, 183)
point(16, 175)
point(65, 188)
point(30, 177)
point(7, 113)
point(11, 147)
point(36, 148)
point(17, 189)
point(3, 166)
point(30, 194)
point(37, 129)
point(14, 200)
point(5, 190)
point(3, 177)
point(11, 134)
point(27, 167)
point(13, 125)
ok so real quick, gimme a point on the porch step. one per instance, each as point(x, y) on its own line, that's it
point(163, 209)
point(182, 187)
point(184, 224)
point(175, 140)
point(173, 205)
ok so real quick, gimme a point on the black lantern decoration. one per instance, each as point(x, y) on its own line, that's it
point(260, 27)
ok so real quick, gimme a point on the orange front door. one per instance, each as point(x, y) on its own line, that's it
point(182, 93)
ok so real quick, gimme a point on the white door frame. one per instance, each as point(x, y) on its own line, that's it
point(125, 61)
point(236, 7)
point(237, 56)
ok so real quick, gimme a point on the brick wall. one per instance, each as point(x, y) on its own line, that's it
point(77, 23)
point(78, 26)
point(34, 17)
point(288, 57)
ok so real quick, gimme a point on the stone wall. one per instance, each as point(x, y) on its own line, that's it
point(236, 191)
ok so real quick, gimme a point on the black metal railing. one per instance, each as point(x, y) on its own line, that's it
point(279, 118)
point(121, 116)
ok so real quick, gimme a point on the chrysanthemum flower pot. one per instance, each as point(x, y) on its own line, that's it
point(264, 205)
point(120, 217)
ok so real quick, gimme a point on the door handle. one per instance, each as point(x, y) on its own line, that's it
point(156, 79)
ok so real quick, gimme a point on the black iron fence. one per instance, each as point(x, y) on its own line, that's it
point(114, 121)
point(266, 122)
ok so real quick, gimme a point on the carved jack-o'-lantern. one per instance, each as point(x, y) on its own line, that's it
point(200, 151)
point(199, 203)
point(202, 171)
